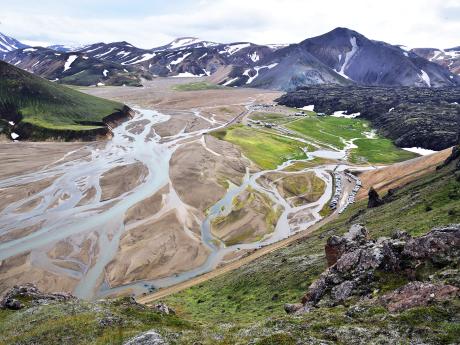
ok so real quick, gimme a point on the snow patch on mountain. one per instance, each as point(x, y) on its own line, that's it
point(425, 77)
point(228, 82)
point(348, 56)
point(257, 69)
point(343, 113)
point(419, 150)
point(233, 48)
point(106, 53)
point(202, 56)
point(144, 57)
point(183, 42)
point(254, 57)
point(180, 59)
point(69, 62)
point(187, 75)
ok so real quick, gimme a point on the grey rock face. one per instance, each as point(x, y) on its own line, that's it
point(148, 338)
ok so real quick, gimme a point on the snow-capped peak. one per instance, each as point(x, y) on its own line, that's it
point(183, 42)
point(186, 42)
point(66, 48)
point(8, 44)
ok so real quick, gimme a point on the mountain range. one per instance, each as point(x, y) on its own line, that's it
point(341, 56)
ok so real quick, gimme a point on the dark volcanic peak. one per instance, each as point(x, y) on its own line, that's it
point(342, 56)
point(373, 62)
point(8, 44)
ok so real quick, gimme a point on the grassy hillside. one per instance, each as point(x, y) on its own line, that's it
point(36, 105)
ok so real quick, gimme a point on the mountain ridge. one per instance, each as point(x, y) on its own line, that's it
point(341, 56)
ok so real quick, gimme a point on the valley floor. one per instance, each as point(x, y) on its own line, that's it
point(201, 177)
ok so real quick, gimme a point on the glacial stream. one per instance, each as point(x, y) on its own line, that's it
point(55, 221)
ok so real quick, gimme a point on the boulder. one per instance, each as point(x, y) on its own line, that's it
point(148, 338)
point(164, 309)
point(374, 198)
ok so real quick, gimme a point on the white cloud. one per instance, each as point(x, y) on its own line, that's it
point(410, 22)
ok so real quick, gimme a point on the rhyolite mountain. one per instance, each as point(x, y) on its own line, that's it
point(8, 44)
point(183, 57)
point(340, 57)
point(76, 68)
point(449, 58)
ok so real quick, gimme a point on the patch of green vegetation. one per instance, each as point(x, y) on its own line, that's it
point(277, 339)
point(329, 130)
point(439, 318)
point(276, 118)
point(306, 187)
point(78, 322)
point(49, 105)
point(298, 166)
point(379, 151)
point(325, 211)
point(264, 149)
point(247, 201)
point(196, 86)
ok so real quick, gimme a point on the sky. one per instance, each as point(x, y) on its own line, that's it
point(151, 23)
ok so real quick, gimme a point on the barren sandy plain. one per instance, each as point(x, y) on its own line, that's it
point(43, 209)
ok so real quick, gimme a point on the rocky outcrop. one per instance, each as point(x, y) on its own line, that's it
point(374, 198)
point(164, 309)
point(355, 261)
point(118, 117)
point(18, 296)
point(148, 338)
point(336, 246)
point(416, 294)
